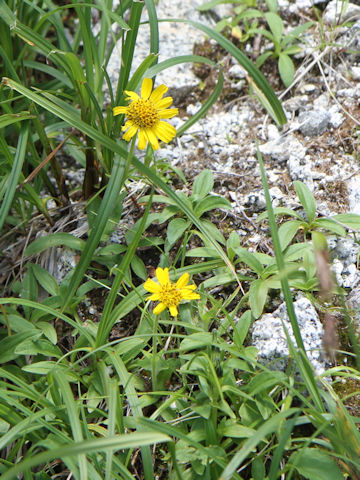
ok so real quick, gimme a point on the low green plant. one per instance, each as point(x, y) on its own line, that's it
point(284, 45)
point(245, 25)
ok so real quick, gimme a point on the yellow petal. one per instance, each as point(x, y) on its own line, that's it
point(173, 310)
point(142, 139)
point(189, 295)
point(169, 113)
point(146, 88)
point(163, 276)
point(119, 110)
point(127, 125)
point(130, 133)
point(154, 297)
point(165, 131)
point(160, 307)
point(183, 280)
point(152, 138)
point(131, 95)
point(163, 103)
point(151, 286)
point(158, 93)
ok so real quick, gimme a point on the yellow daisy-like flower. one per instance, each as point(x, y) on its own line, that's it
point(144, 115)
point(169, 294)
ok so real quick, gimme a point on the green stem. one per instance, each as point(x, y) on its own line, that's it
point(279, 257)
point(154, 354)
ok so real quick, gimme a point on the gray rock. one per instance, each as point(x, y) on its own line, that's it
point(282, 148)
point(344, 249)
point(255, 202)
point(269, 338)
point(353, 304)
point(314, 122)
point(353, 186)
point(338, 12)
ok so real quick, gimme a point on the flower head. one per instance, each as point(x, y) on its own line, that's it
point(144, 115)
point(169, 294)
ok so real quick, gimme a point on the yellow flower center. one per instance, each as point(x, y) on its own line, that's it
point(142, 113)
point(170, 295)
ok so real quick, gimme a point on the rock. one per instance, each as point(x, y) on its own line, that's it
point(355, 72)
point(353, 186)
point(300, 169)
point(336, 117)
point(353, 304)
point(345, 253)
point(314, 122)
point(283, 147)
point(237, 71)
point(344, 249)
point(269, 338)
point(338, 12)
point(255, 202)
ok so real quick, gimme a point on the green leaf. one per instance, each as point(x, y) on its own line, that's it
point(242, 327)
point(276, 25)
point(292, 50)
point(286, 69)
point(205, 252)
point(12, 180)
point(232, 429)
point(351, 220)
point(203, 184)
point(212, 231)
point(222, 279)
point(307, 199)
point(44, 278)
point(211, 202)
point(38, 346)
point(330, 225)
point(287, 232)
point(296, 251)
point(258, 468)
point(315, 464)
point(197, 340)
point(176, 229)
point(296, 33)
point(54, 240)
point(47, 366)
point(48, 330)
point(257, 296)
point(138, 267)
point(250, 259)
point(10, 118)
point(8, 344)
point(279, 211)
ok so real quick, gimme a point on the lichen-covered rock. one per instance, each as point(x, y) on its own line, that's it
point(269, 338)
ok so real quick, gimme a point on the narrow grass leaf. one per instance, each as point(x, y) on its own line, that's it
point(119, 442)
point(13, 179)
point(244, 61)
point(127, 381)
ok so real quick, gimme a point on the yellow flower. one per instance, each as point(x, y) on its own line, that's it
point(144, 115)
point(169, 294)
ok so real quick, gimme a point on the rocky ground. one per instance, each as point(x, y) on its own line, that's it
point(319, 144)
